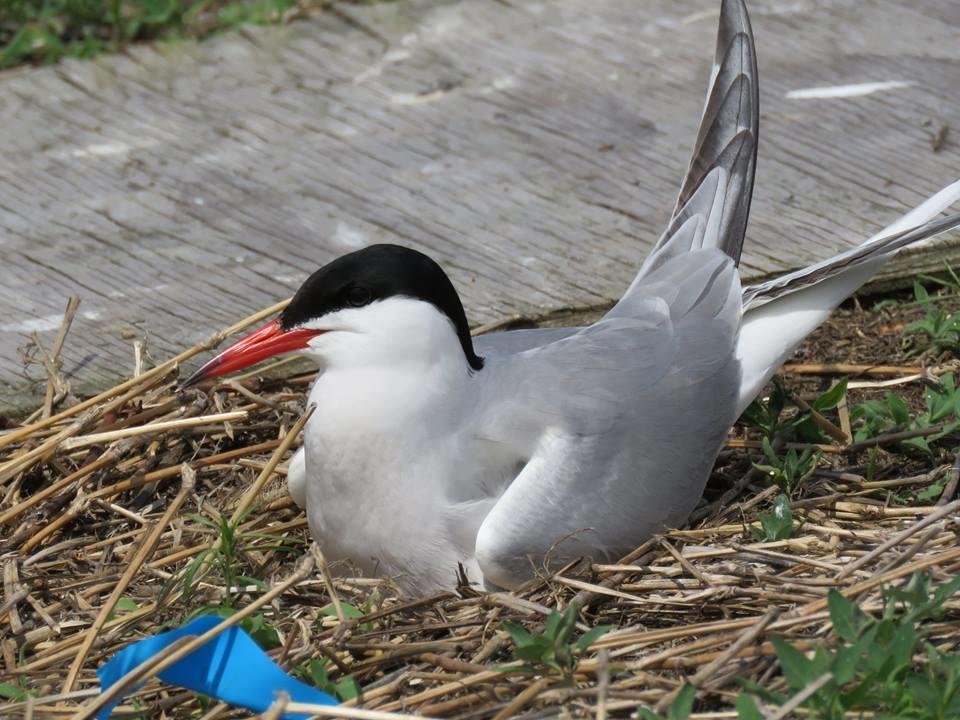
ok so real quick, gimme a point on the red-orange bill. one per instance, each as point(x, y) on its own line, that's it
point(266, 342)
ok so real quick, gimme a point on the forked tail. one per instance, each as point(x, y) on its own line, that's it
point(780, 313)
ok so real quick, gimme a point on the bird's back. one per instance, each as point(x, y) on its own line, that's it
point(617, 424)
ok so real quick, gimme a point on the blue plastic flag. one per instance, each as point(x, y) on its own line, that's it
point(231, 667)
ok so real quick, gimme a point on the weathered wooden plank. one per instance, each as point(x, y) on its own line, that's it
point(533, 147)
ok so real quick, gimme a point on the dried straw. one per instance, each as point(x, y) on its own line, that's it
point(93, 518)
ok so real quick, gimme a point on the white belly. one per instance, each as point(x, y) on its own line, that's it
point(390, 487)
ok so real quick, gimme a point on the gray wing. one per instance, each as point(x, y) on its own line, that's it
point(510, 342)
point(616, 425)
point(714, 201)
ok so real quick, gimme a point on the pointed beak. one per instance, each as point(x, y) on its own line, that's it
point(268, 341)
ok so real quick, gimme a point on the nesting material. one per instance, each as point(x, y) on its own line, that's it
point(127, 513)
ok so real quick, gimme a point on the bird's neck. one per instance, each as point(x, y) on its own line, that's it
point(404, 398)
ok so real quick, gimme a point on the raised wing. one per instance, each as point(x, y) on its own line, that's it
point(714, 201)
point(617, 425)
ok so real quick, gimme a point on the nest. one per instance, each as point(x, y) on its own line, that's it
point(132, 511)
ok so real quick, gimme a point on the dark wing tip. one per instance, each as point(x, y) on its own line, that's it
point(731, 116)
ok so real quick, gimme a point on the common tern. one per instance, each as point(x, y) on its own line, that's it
point(518, 450)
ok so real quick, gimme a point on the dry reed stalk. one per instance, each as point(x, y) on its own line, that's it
point(247, 501)
point(159, 371)
point(852, 369)
point(523, 699)
point(105, 437)
point(334, 711)
point(143, 552)
point(53, 363)
point(695, 605)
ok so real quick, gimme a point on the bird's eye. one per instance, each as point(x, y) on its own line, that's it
point(358, 296)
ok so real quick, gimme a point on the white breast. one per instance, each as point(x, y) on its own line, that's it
point(395, 481)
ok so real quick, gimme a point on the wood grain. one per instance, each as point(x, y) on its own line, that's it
point(534, 148)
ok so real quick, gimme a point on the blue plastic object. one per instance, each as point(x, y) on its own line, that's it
point(231, 667)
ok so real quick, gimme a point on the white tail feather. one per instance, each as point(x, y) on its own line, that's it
point(771, 332)
point(924, 212)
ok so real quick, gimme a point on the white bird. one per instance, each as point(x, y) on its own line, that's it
point(526, 448)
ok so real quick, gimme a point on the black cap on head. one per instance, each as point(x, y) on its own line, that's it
point(376, 273)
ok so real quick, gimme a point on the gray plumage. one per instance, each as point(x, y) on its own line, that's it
point(569, 441)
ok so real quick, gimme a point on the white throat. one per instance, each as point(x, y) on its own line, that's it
point(396, 334)
point(386, 434)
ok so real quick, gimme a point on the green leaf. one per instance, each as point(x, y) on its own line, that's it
point(552, 624)
point(204, 520)
point(263, 633)
point(797, 669)
point(157, 12)
point(945, 592)
point(832, 397)
point(844, 615)
point(912, 595)
point(761, 692)
point(778, 524)
point(591, 635)
point(929, 493)
point(317, 673)
point(820, 662)
point(347, 689)
point(520, 637)
point(31, 42)
point(861, 695)
point(350, 612)
point(646, 714)
point(124, 605)
point(845, 664)
point(536, 652)
point(682, 704)
point(769, 452)
point(195, 566)
point(747, 709)
point(16, 693)
point(901, 645)
point(898, 410)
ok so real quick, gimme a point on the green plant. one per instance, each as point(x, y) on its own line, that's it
point(225, 556)
point(777, 524)
point(680, 708)
point(555, 649)
point(890, 415)
point(228, 557)
point(257, 625)
point(44, 31)
point(228, 554)
point(316, 672)
point(260, 12)
point(789, 471)
point(769, 418)
point(941, 328)
point(16, 692)
point(873, 667)
point(350, 612)
point(124, 605)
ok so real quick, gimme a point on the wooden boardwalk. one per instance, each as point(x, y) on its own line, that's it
point(533, 147)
